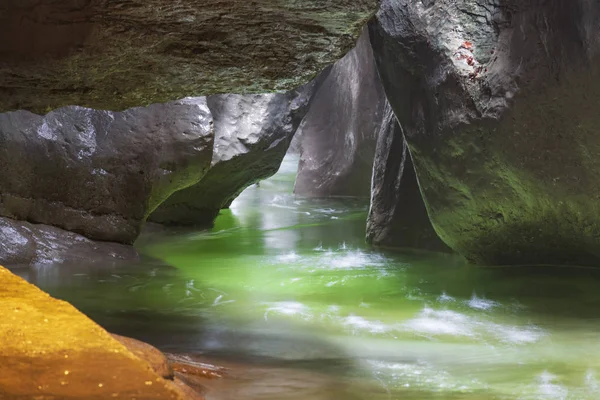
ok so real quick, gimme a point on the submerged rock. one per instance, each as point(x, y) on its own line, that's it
point(397, 216)
point(115, 55)
point(49, 350)
point(252, 135)
point(338, 136)
point(22, 243)
point(499, 106)
point(100, 173)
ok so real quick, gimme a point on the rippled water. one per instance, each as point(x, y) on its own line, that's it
point(285, 292)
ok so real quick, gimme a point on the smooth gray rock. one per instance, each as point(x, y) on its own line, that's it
point(499, 104)
point(119, 54)
point(338, 136)
point(252, 135)
point(100, 173)
point(22, 243)
point(397, 215)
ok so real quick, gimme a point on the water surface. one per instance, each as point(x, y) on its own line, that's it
point(285, 292)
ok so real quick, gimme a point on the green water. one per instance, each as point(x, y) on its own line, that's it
point(287, 288)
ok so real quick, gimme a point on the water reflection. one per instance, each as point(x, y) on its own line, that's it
point(285, 291)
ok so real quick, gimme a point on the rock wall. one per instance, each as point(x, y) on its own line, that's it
point(100, 173)
point(499, 105)
point(338, 136)
point(252, 135)
point(116, 55)
point(397, 216)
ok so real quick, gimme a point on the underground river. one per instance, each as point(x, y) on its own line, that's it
point(285, 292)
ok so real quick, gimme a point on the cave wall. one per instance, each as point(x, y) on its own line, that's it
point(116, 55)
point(338, 136)
point(499, 106)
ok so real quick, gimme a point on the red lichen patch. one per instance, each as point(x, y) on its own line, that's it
point(467, 45)
point(475, 74)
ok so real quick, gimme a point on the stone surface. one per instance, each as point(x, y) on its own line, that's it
point(36, 245)
point(338, 136)
point(397, 216)
point(101, 173)
point(116, 55)
point(499, 105)
point(252, 135)
point(157, 360)
point(49, 350)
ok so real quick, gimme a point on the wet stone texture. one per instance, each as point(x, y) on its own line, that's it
point(337, 138)
point(252, 135)
point(36, 245)
point(499, 102)
point(49, 350)
point(116, 55)
point(101, 173)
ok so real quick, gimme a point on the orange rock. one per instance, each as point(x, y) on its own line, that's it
point(49, 350)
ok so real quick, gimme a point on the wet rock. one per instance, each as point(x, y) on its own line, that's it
point(100, 173)
point(397, 216)
point(252, 135)
point(49, 350)
point(338, 136)
point(116, 55)
point(22, 243)
point(157, 360)
point(499, 105)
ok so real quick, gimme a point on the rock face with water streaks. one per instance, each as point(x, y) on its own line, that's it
point(499, 105)
point(397, 216)
point(100, 173)
point(337, 138)
point(116, 55)
point(252, 135)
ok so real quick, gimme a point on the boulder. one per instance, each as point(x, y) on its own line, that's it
point(338, 136)
point(101, 173)
point(25, 244)
point(49, 350)
point(252, 135)
point(116, 55)
point(397, 216)
point(499, 105)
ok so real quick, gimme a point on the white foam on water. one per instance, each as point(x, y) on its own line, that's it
point(288, 308)
point(446, 322)
point(359, 324)
point(549, 389)
point(431, 322)
point(481, 304)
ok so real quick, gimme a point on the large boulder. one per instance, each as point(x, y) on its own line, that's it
point(119, 54)
point(35, 245)
point(252, 135)
point(100, 173)
point(499, 104)
point(397, 216)
point(49, 350)
point(338, 136)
